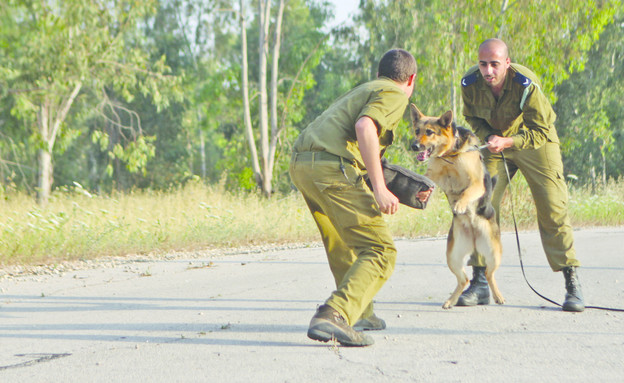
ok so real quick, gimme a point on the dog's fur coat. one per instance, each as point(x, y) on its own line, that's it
point(455, 165)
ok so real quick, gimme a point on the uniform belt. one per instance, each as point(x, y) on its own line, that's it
point(320, 156)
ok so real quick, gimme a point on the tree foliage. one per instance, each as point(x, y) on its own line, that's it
point(551, 37)
point(54, 51)
point(589, 109)
point(148, 93)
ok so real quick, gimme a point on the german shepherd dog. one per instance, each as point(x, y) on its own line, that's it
point(455, 165)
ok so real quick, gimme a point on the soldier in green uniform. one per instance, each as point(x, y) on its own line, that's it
point(330, 158)
point(508, 111)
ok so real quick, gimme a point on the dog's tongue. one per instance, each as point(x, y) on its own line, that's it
point(422, 156)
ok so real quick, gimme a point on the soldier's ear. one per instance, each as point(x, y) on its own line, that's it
point(416, 114)
point(446, 119)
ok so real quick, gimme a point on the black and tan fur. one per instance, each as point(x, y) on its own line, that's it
point(455, 165)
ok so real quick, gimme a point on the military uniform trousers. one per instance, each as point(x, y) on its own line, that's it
point(359, 247)
point(543, 170)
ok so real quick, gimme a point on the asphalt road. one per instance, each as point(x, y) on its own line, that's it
point(243, 318)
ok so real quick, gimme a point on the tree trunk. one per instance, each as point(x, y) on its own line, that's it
point(191, 157)
point(454, 82)
point(603, 158)
point(501, 31)
point(49, 120)
point(202, 153)
point(114, 140)
point(264, 8)
point(255, 166)
point(592, 173)
point(44, 160)
point(94, 178)
point(277, 41)
point(454, 54)
point(44, 177)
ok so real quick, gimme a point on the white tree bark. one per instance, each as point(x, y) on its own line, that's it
point(49, 121)
point(263, 165)
point(264, 12)
point(277, 41)
point(502, 13)
point(255, 166)
point(44, 157)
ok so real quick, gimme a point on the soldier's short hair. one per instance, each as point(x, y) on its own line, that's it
point(397, 64)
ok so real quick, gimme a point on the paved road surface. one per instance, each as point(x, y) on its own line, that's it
point(243, 318)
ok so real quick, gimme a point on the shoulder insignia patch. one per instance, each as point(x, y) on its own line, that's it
point(522, 79)
point(469, 80)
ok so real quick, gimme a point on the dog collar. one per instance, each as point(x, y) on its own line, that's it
point(456, 153)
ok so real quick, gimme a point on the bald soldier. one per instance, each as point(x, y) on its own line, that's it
point(507, 110)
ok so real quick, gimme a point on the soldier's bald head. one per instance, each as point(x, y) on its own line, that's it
point(496, 45)
point(493, 63)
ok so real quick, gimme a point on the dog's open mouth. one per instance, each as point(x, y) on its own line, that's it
point(423, 155)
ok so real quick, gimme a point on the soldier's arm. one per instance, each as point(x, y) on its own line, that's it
point(479, 126)
point(538, 117)
point(368, 142)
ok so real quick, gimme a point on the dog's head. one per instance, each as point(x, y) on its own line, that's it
point(434, 135)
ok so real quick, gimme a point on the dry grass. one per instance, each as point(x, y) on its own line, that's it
point(76, 225)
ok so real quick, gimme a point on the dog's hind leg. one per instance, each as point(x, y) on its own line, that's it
point(457, 247)
point(489, 245)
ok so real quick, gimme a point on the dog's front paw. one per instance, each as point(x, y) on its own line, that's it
point(448, 304)
point(460, 207)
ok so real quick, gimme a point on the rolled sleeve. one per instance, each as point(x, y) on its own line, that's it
point(386, 108)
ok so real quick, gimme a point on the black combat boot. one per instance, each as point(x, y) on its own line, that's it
point(574, 296)
point(478, 293)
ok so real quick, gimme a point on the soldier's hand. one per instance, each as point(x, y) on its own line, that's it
point(423, 196)
point(497, 144)
point(388, 202)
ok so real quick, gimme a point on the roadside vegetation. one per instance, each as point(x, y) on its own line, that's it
point(146, 126)
point(77, 225)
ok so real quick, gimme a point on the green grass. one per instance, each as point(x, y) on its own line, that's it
point(77, 225)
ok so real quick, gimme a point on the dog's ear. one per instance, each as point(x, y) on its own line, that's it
point(416, 114)
point(446, 119)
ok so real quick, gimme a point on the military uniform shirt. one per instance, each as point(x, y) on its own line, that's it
point(522, 111)
point(334, 131)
